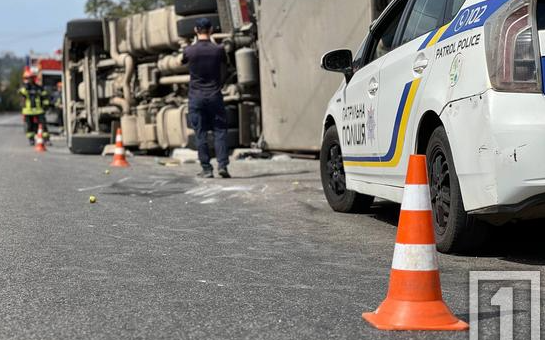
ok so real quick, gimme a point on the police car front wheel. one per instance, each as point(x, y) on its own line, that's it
point(334, 178)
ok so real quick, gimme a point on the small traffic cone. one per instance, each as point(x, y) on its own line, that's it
point(414, 300)
point(40, 146)
point(119, 153)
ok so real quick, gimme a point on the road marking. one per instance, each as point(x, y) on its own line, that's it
point(210, 201)
point(93, 188)
point(238, 188)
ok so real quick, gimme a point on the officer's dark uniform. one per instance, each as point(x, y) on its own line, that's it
point(206, 107)
point(34, 99)
point(56, 102)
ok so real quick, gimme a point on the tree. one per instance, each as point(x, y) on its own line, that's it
point(11, 70)
point(9, 96)
point(120, 8)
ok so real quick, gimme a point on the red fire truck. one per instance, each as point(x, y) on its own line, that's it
point(48, 69)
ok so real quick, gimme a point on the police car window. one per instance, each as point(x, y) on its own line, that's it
point(384, 41)
point(358, 59)
point(426, 16)
point(454, 9)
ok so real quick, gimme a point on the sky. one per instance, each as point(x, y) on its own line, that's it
point(37, 25)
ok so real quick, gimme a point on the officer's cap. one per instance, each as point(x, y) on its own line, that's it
point(203, 23)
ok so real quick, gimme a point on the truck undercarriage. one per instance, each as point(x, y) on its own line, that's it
point(128, 72)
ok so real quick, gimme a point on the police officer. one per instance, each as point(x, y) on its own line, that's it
point(34, 99)
point(206, 107)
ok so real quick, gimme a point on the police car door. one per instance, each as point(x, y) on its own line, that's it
point(403, 76)
point(358, 121)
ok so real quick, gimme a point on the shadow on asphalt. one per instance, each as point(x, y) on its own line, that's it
point(385, 211)
point(491, 315)
point(278, 174)
point(520, 242)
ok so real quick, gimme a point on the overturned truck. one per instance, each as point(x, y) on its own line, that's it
point(128, 72)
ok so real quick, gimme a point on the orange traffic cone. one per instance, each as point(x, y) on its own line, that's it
point(40, 146)
point(414, 300)
point(119, 153)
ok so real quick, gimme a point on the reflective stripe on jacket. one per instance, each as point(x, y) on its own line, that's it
point(35, 98)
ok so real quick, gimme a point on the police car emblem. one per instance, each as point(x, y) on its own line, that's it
point(455, 70)
point(462, 20)
point(371, 124)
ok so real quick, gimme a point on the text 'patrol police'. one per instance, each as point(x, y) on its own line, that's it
point(459, 46)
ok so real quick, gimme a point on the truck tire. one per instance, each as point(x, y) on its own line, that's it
point(84, 30)
point(192, 7)
point(340, 199)
point(232, 116)
point(88, 144)
point(233, 138)
point(186, 26)
point(455, 230)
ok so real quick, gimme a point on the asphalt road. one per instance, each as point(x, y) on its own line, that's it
point(163, 255)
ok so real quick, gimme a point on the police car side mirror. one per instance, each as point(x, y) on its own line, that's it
point(339, 61)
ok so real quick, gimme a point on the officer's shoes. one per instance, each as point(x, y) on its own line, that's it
point(206, 174)
point(31, 142)
point(224, 173)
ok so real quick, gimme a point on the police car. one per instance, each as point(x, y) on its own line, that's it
point(459, 81)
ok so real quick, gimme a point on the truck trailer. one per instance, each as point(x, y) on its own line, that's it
point(128, 72)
